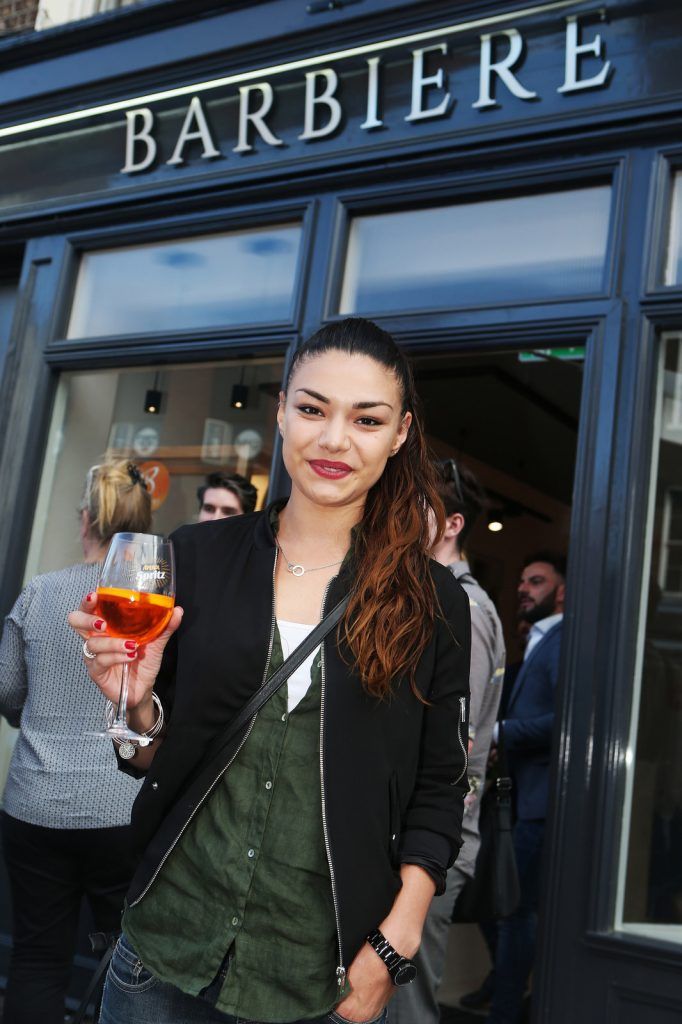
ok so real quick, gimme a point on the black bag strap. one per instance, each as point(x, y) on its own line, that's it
point(503, 784)
point(502, 762)
point(287, 668)
point(97, 981)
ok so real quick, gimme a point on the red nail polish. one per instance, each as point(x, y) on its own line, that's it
point(89, 597)
point(99, 624)
point(131, 654)
point(130, 645)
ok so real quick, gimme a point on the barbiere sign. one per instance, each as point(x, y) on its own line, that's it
point(321, 107)
point(563, 64)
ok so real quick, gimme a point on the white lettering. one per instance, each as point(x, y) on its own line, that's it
point(574, 51)
point(326, 97)
point(501, 68)
point(195, 116)
point(139, 134)
point(372, 120)
point(420, 83)
point(255, 117)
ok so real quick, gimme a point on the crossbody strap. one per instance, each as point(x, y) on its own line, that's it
point(286, 669)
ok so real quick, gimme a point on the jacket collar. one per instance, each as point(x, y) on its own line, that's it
point(265, 533)
point(266, 527)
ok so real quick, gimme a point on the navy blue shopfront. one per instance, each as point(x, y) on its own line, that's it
point(188, 189)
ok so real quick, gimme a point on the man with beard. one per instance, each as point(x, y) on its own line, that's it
point(527, 736)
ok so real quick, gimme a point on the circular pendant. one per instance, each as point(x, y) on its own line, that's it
point(126, 750)
point(296, 570)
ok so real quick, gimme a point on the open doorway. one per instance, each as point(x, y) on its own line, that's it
point(511, 418)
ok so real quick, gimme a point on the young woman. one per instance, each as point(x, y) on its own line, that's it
point(265, 870)
point(65, 832)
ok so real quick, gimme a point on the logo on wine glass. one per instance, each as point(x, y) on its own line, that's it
point(152, 572)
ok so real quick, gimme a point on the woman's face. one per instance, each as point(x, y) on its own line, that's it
point(340, 422)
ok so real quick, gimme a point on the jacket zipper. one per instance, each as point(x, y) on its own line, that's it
point(465, 748)
point(229, 763)
point(340, 970)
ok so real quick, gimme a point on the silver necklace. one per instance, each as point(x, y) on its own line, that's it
point(296, 569)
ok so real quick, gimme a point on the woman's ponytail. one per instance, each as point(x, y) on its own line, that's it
point(116, 500)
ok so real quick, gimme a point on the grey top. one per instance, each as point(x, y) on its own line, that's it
point(59, 777)
point(486, 678)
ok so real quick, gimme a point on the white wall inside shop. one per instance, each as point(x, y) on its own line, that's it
point(85, 400)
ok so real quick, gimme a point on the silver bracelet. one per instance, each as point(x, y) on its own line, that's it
point(151, 733)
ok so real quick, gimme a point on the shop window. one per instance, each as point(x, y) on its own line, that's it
point(10, 261)
point(673, 267)
point(195, 431)
point(671, 550)
point(522, 248)
point(8, 298)
point(209, 281)
point(651, 878)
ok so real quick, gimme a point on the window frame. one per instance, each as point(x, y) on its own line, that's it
point(174, 343)
point(471, 187)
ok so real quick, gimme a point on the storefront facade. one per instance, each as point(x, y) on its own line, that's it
point(189, 189)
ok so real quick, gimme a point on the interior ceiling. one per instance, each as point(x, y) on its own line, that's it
point(518, 417)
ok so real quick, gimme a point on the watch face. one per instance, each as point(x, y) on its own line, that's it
point(405, 974)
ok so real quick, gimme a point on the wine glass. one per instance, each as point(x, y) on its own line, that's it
point(135, 597)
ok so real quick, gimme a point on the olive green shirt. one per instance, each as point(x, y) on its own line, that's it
point(242, 911)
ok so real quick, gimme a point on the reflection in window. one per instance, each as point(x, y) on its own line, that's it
point(673, 268)
point(195, 433)
point(652, 891)
point(8, 297)
point(526, 247)
point(203, 282)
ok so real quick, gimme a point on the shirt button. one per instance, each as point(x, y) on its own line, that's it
point(284, 717)
point(252, 853)
point(235, 920)
point(268, 784)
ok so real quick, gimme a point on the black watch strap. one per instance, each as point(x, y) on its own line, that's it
point(400, 968)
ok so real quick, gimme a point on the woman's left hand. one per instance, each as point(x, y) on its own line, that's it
point(371, 987)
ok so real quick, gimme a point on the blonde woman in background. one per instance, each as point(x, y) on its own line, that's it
point(65, 808)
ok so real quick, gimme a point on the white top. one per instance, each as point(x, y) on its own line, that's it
point(538, 630)
point(292, 634)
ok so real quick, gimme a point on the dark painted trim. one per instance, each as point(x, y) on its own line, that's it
point(26, 393)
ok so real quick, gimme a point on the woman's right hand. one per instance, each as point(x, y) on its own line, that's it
point(111, 654)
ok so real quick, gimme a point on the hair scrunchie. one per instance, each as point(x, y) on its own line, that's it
point(135, 475)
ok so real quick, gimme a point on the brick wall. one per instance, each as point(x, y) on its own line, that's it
point(17, 15)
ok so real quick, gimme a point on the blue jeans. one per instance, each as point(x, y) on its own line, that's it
point(132, 995)
point(516, 934)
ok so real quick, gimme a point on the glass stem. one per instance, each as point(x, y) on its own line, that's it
point(122, 709)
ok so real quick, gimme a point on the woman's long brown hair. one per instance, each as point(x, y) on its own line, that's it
point(393, 604)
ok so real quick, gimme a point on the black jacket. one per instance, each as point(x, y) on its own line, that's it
point(394, 771)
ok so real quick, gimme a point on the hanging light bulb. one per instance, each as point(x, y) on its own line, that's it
point(153, 397)
point(240, 394)
point(495, 521)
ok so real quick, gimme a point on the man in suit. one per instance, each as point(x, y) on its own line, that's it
point(527, 735)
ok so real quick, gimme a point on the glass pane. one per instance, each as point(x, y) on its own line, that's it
point(208, 281)
point(652, 879)
point(196, 432)
point(8, 298)
point(526, 247)
point(673, 269)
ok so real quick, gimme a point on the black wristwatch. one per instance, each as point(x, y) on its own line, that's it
point(401, 969)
